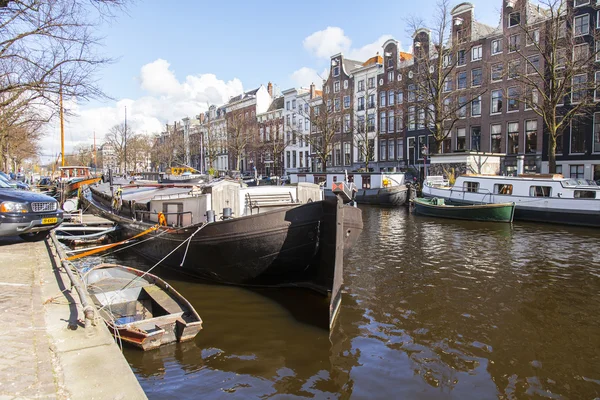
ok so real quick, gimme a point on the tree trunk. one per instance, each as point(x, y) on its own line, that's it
point(552, 152)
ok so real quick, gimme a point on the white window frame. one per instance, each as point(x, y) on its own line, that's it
point(536, 38)
point(492, 46)
point(336, 69)
point(509, 18)
point(481, 76)
point(581, 46)
point(588, 25)
point(476, 49)
point(510, 49)
point(336, 87)
point(580, 4)
point(597, 20)
point(476, 100)
point(492, 112)
point(598, 45)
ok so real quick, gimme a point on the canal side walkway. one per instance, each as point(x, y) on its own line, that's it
point(46, 353)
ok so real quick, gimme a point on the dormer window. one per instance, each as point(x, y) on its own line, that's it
point(390, 62)
point(336, 70)
point(514, 19)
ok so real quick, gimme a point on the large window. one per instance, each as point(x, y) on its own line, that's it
point(347, 154)
point(472, 187)
point(382, 150)
point(512, 138)
point(461, 80)
point(400, 121)
point(531, 136)
point(371, 122)
point(597, 133)
point(338, 154)
point(361, 103)
point(581, 25)
point(576, 172)
point(514, 43)
point(495, 138)
point(476, 77)
point(461, 58)
point(346, 102)
point(391, 97)
point(382, 99)
point(382, 122)
point(496, 46)
point(411, 118)
point(476, 107)
point(496, 101)
point(461, 138)
point(462, 104)
point(476, 53)
point(497, 71)
point(577, 136)
point(540, 191)
point(346, 123)
point(399, 148)
point(391, 121)
point(513, 99)
point(390, 149)
point(476, 138)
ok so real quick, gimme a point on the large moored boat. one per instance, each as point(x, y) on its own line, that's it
point(540, 198)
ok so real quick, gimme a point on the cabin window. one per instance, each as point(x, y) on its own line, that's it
point(471, 187)
point(320, 179)
point(503, 189)
point(539, 191)
point(366, 182)
point(334, 179)
point(585, 194)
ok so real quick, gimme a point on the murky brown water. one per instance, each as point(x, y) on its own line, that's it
point(432, 309)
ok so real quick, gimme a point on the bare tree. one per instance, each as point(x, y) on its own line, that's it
point(325, 128)
point(241, 130)
point(273, 146)
point(138, 151)
point(552, 62)
point(363, 129)
point(438, 105)
point(116, 137)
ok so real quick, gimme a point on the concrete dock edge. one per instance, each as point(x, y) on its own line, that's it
point(47, 351)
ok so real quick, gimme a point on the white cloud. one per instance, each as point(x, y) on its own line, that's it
point(168, 100)
point(327, 42)
point(332, 40)
point(368, 50)
point(305, 76)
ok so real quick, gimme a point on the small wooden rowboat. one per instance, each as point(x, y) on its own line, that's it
point(436, 207)
point(140, 308)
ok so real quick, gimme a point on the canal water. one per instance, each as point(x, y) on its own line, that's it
point(432, 309)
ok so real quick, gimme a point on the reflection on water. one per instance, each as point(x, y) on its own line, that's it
point(432, 308)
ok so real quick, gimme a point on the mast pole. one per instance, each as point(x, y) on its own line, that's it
point(62, 124)
point(125, 157)
point(95, 154)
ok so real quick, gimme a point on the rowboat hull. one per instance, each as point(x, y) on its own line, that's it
point(503, 212)
point(139, 308)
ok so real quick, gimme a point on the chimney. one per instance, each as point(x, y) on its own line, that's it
point(270, 89)
point(312, 91)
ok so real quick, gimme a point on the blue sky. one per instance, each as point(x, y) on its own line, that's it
point(174, 57)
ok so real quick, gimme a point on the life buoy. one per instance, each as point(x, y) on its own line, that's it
point(162, 220)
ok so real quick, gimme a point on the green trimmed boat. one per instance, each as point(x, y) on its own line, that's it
point(436, 207)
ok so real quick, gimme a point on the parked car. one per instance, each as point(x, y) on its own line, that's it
point(13, 183)
point(27, 214)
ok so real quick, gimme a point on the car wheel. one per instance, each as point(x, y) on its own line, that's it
point(35, 236)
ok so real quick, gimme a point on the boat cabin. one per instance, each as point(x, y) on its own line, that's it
point(525, 185)
point(362, 180)
point(70, 172)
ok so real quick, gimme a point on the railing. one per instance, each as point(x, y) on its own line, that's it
point(179, 214)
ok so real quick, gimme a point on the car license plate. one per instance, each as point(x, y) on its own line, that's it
point(49, 220)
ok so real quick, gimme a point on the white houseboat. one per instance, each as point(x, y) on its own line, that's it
point(540, 198)
point(385, 189)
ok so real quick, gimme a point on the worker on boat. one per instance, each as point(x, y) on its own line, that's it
point(117, 200)
point(162, 220)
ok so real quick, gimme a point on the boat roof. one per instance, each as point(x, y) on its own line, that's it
point(73, 167)
point(568, 182)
